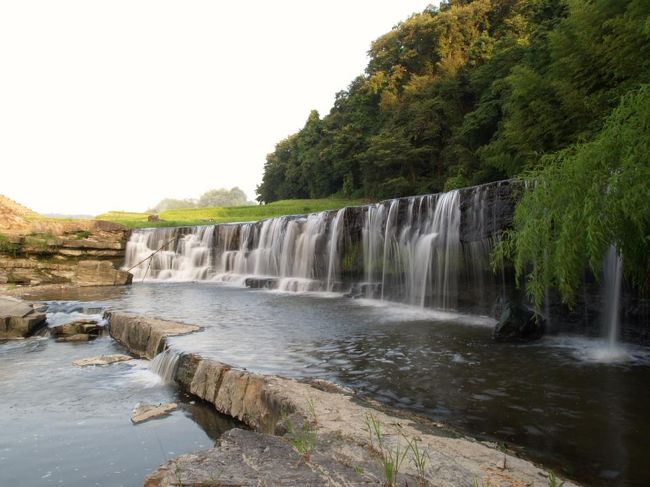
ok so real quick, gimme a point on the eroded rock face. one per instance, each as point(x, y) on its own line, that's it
point(143, 336)
point(100, 273)
point(19, 319)
point(87, 253)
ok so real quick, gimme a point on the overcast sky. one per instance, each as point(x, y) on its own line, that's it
point(118, 104)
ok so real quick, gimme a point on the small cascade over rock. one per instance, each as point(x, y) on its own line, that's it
point(164, 364)
point(612, 283)
point(428, 251)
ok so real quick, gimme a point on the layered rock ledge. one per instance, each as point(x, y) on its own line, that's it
point(304, 434)
point(84, 255)
point(142, 336)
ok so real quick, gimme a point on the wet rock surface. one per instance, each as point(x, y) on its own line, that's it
point(102, 360)
point(326, 438)
point(19, 319)
point(305, 435)
point(90, 328)
point(143, 336)
point(518, 322)
point(146, 412)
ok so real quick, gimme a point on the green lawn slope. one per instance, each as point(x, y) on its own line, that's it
point(206, 216)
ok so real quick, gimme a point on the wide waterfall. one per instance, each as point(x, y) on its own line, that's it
point(409, 250)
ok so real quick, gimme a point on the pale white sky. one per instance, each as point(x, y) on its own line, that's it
point(118, 104)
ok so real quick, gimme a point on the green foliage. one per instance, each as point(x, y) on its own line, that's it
point(82, 234)
point(582, 200)
point(213, 198)
point(222, 197)
point(553, 481)
point(472, 92)
point(419, 459)
point(173, 204)
point(305, 437)
point(482, 90)
point(390, 457)
point(9, 247)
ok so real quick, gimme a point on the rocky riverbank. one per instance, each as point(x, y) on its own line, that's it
point(313, 434)
point(87, 253)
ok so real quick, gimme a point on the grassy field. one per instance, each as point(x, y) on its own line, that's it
point(205, 216)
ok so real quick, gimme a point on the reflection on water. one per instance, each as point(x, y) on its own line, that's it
point(65, 425)
point(554, 398)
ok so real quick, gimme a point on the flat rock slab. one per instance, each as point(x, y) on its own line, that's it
point(145, 412)
point(18, 319)
point(246, 458)
point(102, 360)
point(10, 306)
point(277, 405)
point(144, 336)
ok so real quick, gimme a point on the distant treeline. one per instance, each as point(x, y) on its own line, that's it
point(467, 93)
point(213, 198)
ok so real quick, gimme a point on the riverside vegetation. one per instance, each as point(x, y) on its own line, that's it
point(248, 213)
point(551, 91)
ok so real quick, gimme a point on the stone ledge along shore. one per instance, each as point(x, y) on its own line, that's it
point(304, 434)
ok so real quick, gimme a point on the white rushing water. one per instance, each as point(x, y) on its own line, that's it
point(164, 364)
point(406, 250)
point(612, 283)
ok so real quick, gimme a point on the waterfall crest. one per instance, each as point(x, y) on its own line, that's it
point(164, 364)
point(407, 250)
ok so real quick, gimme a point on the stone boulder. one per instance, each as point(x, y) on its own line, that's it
point(19, 319)
point(145, 412)
point(518, 322)
point(261, 282)
point(89, 328)
point(143, 336)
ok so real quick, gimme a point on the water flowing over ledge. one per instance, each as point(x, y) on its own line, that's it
point(429, 251)
point(270, 405)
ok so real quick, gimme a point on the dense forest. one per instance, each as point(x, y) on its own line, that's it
point(481, 90)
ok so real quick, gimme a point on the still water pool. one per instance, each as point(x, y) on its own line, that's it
point(65, 425)
point(568, 402)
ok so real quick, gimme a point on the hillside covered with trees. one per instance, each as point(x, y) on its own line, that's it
point(481, 90)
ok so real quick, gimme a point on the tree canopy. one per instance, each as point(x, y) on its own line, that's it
point(476, 91)
point(210, 199)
